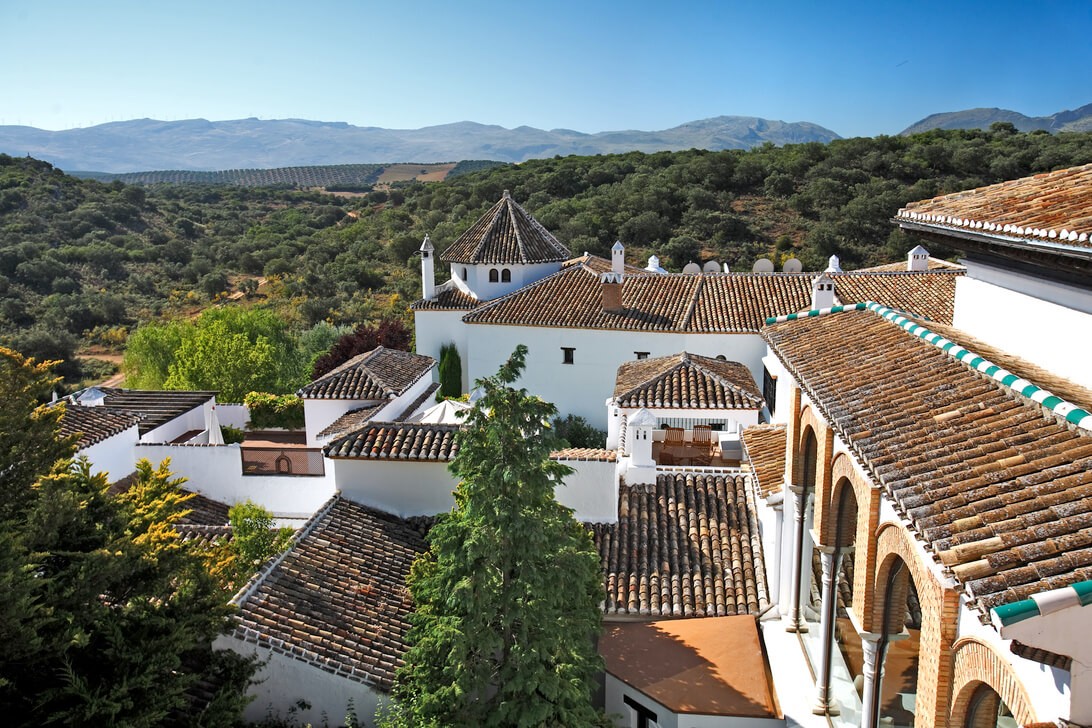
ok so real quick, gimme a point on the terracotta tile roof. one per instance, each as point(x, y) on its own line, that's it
point(687, 546)
point(686, 381)
point(706, 303)
point(505, 234)
point(205, 536)
point(338, 599)
point(764, 446)
point(94, 424)
point(601, 265)
point(585, 453)
point(380, 374)
point(1054, 208)
point(204, 511)
point(999, 490)
point(448, 298)
point(155, 408)
point(934, 264)
point(350, 421)
point(705, 666)
point(397, 441)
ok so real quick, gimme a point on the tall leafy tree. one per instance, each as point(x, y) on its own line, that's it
point(106, 616)
point(507, 595)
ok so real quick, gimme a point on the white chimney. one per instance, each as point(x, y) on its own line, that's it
point(822, 292)
point(428, 270)
point(618, 258)
point(918, 259)
point(654, 264)
point(834, 265)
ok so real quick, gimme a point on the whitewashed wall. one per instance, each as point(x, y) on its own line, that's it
point(1052, 335)
point(215, 471)
point(319, 413)
point(195, 419)
point(404, 488)
point(583, 387)
point(433, 329)
point(477, 278)
point(284, 680)
point(234, 415)
point(591, 491)
point(114, 455)
point(415, 488)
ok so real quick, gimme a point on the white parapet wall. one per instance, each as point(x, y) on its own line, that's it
point(233, 415)
point(114, 455)
point(216, 471)
point(417, 488)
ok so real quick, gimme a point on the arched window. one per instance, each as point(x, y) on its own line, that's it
point(464, 274)
point(493, 275)
point(506, 276)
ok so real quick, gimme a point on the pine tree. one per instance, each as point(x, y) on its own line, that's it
point(507, 597)
point(451, 371)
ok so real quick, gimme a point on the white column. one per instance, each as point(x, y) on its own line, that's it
point(800, 505)
point(832, 564)
point(873, 678)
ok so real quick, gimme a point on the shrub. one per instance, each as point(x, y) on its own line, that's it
point(578, 432)
point(274, 410)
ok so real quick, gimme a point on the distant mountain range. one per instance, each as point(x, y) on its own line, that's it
point(1076, 120)
point(147, 144)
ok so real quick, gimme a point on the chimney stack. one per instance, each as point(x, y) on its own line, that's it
point(618, 258)
point(822, 292)
point(918, 259)
point(611, 286)
point(428, 270)
point(834, 265)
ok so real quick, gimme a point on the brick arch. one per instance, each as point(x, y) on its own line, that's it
point(824, 440)
point(975, 663)
point(939, 608)
point(845, 474)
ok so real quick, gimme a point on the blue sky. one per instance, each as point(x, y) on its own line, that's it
point(856, 68)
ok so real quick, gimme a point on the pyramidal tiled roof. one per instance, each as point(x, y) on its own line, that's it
point(686, 381)
point(997, 485)
point(708, 302)
point(505, 234)
point(1053, 208)
point(380, 374)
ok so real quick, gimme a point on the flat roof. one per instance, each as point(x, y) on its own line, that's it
point(707, 666)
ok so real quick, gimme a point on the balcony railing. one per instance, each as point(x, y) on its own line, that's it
point(283, 461)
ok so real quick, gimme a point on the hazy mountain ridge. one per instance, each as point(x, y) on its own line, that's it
point(198, 144)
point(1079, 119)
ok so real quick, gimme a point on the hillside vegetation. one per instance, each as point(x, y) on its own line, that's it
point(331, 177)
point(83, 262)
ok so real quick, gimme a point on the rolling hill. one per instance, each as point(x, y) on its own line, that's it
point(200, 145)
point(1075, 120)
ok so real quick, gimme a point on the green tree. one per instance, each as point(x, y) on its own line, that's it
point(507, 595)
point(107, 616)
point(451, 371)
point(231, 350)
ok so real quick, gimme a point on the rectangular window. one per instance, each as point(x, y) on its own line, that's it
point(567, 354)
point(645, 717)
point(641, 354)
point(769, 390)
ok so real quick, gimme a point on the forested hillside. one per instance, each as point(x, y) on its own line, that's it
point(84, 262)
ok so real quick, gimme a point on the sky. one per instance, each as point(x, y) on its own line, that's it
point(859, 69)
